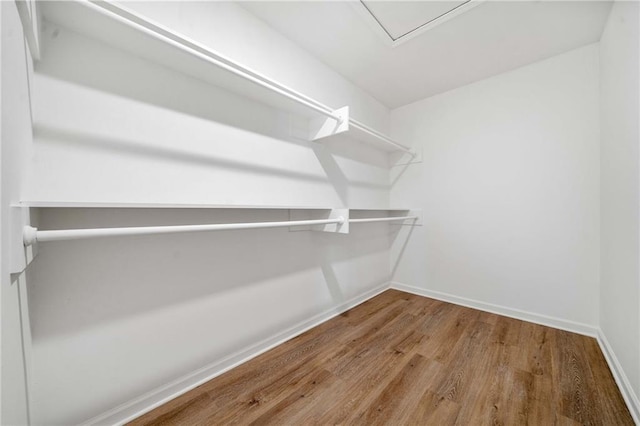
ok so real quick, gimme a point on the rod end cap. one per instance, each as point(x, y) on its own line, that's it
point(29, 235)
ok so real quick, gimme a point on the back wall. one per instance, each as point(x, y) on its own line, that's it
point(509, 186)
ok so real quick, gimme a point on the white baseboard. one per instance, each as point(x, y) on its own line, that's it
point(135, 408)
point(562, 324)
point(620, 377)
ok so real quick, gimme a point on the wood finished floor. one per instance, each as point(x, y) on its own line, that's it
point(404, 359)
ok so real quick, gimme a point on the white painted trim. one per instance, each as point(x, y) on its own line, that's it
point(143, 404)
point(562, 324)
point(630, 397)
point(27, 340)
point(377, 27)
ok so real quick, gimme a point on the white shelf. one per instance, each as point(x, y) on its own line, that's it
point(126, 30)
point(381, 209)
point(363, 133)
point(125, 205)
point(121, 28)
point(99, 205)
point(368, 135)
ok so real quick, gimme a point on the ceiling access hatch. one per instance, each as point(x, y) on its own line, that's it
point(398, 21)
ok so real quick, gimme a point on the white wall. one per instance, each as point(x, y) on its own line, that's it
point(102, 116)
point(15, 136)
point(232, 31)
point(113, 319)
point(124, 316)
point(620, 174)
point(510, 191)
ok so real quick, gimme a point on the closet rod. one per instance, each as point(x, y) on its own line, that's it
point(158, 32)
point(32, 235)
point(383, 219)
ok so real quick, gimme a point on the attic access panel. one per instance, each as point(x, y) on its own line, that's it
point(403, 20)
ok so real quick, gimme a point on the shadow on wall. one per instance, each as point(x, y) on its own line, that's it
point(396, 231)
point(144, 150)
point(99, 66)
point(396, 173)
point(333, 283)
point(81, 284)
point(334, 174)
point(107, 69)
point(109, 279)
point(122, 86)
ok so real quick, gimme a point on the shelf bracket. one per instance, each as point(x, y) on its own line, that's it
point(418, 221)
point(21, 256)
point(400, 158)
point(340, 228)
point(324, 127)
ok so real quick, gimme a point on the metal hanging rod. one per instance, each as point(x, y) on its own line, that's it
point(383, 219)
point(156, 31)
point(32, 235)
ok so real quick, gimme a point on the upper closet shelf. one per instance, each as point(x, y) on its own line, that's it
point(124, 29)
point(120, 205)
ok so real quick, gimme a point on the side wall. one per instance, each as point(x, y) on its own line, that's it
point(123, 317)
point(510, 191)
point(15, 66)
point(620, 175)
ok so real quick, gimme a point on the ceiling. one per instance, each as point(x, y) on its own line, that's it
point(401, 18)
point(491, 38)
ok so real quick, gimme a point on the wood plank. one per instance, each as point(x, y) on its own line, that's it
point(608, 394)
point(371, 307)
point(299, 397)
point(433, 409)
point(404, 359)
point(357, 385)
point(370, 325)
point(442, 341)
point(486, 386)
point(398, 399)
point(462, 370)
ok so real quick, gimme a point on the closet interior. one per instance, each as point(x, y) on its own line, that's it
point(191, 189)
